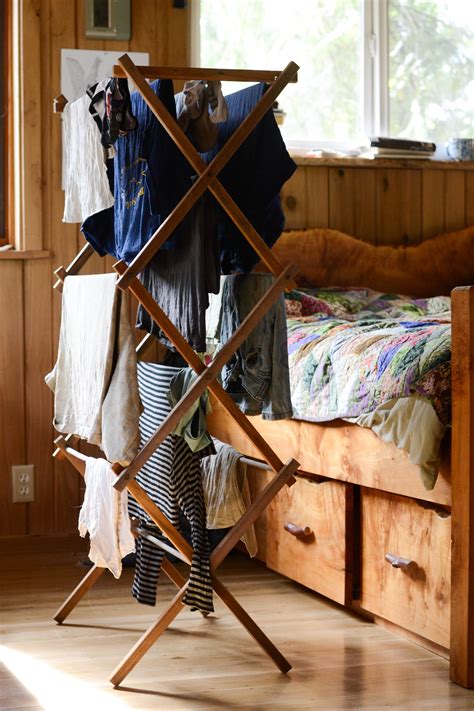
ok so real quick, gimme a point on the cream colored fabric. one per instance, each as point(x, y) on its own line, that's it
point(86, 185)
point(95, 377)
point(411, 424)
point(226, 491)
point(104, 515)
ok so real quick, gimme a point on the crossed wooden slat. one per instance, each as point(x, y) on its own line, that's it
point(206, 375)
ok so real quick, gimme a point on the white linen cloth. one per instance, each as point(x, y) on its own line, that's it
point(95, 377)
point(86, 185)
point(104, 514)
point(226, 491)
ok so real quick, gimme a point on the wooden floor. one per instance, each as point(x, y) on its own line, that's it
point(340, 661)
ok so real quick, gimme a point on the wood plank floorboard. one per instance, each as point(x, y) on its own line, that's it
point(339, 660)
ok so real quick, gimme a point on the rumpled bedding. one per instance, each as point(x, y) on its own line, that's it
point(356, 353)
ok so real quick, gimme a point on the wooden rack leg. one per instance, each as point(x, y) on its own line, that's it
point(252, 628)
point(149, 638)
point(236, 608)
point(78, 593)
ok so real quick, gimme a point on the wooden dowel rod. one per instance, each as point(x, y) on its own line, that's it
point(185, 350)
point(252, 513)
point(206, 74)
point(159, 543)
point(206, 173)
point(78, 460)
point(59, 104)
point(144, 344)
point(208, 375)
point(75, 266)
point(160, 520)
point(149, 638)
point(78, 593)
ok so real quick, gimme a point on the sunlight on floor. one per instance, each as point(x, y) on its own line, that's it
point(55, 690)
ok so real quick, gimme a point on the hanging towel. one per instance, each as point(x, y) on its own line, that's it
point(94, 380)
point(172, 478)
point(104, 515)
point(86, 184)
point(226, 491)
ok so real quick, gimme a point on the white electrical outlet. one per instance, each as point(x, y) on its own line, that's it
point(23, 483)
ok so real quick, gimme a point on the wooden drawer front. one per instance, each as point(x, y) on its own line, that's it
point(320, 560)
point(417, 597)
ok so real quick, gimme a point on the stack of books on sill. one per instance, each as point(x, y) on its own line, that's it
point(381, 147)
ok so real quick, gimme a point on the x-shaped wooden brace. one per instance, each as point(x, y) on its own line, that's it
point(207, 173)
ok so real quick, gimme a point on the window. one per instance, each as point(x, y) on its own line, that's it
point(391, 67)
point(3, 122)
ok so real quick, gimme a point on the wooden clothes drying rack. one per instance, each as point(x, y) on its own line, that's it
point(207, 375)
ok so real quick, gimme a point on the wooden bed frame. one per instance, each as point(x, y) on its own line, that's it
point(373, 483)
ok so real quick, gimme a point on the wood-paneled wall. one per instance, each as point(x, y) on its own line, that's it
point(378, 204)
point(29, 309)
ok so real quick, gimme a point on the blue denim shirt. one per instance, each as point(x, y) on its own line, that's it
point(150, 177)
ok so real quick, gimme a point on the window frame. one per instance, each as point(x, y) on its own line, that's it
point(374, 111)
point(5, 129)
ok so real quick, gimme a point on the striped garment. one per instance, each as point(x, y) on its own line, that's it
point(173, 480)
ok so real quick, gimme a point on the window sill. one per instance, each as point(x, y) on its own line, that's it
point(302, 157)
point(12, 254)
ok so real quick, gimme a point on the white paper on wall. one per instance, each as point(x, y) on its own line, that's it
point(81, 67)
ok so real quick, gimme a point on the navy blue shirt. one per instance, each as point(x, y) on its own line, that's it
point(253, 177)
point(150, 177)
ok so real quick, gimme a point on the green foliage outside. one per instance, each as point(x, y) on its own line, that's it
point(431, 59)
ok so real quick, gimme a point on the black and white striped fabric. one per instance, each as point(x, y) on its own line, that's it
point(173, 480)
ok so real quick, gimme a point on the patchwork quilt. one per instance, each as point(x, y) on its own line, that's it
point(353, 350)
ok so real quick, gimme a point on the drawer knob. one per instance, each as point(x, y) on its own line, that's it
point(410, 566)
point(298, 531)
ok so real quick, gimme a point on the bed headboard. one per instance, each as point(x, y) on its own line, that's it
point(330, 258)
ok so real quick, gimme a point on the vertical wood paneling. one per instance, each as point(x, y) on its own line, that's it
point(432, 208)
point(341, 199)
point(13, 517)
point(398, 206)
point(454, 195)
point(293, 198)
point(38, 401)
point(144, 29)
point(469, 197)
point(64, 247)
point(365, 202)
point(31, 204)
point(317, 197)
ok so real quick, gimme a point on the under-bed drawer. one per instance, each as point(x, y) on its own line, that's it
point(303, 534)
point(415, 595)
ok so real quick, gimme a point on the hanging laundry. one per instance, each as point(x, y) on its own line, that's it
point(181, 279)
point(257, 375)
point(150, 177)
point(226, 491)
point(86, 185)
point(104, 515)
point(94, 379)
point(118, 117)
point(172, 478)
point(253, 177)
point(194, 117)
point(193, 425)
